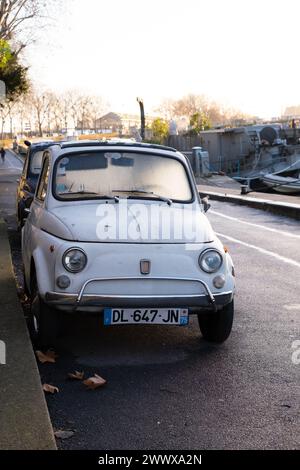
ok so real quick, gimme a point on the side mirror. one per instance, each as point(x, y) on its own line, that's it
point(205, 203)
point(27, 143)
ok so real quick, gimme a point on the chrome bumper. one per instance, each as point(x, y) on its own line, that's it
point(206, 300)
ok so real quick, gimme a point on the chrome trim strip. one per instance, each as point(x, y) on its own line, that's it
point(56, 296)
point(125, 278)
point(194, 300)
point(81, 298)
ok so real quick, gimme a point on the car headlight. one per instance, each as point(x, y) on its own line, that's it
point(74, 260)
point(210, 261)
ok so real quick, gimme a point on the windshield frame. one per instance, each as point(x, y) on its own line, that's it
point(184, 163)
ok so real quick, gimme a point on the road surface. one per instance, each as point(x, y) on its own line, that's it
point(169, 389)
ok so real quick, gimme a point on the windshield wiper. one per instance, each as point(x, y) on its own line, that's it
point(142, 191)
point(99, 196)
point(78, 192)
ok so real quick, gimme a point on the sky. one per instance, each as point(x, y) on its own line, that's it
point(243, 54)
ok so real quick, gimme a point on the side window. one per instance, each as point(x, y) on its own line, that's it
point(43, 183)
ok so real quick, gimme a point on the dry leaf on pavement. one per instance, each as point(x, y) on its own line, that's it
point(76, 375)
point(94, 382)
point(51, 353)
point(50, 388)
point(45, 357)
point(63, 434)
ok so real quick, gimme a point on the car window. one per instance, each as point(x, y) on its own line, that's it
point(43, 183)
point(36, 162)
point(102, 173)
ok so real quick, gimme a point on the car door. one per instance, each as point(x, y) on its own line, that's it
point(28, 240)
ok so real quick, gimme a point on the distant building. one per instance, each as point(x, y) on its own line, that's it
point(124, 124)
point(110, 121)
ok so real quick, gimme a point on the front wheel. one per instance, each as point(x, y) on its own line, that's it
point(44, 324)
point(216, 326)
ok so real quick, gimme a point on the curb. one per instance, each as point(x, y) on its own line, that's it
point(24, 418)
point(279, 208)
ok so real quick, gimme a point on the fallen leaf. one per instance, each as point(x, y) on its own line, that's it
point(63, 434)
point(50, 388)
point(52, 354)
point(76, 375)
point(42, 357)
point(94, 382)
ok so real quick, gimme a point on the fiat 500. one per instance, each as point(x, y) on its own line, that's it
point(119, 229)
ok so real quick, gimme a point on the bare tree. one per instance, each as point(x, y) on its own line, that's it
point(13, 15)
point(192, 105)
point(18, 19)
point(166, 109)
point(52, 112)
point(57, 110)
point(41, 106)
point(22, 112)
point(189, 105)
point(97, 108)
point(4, 111)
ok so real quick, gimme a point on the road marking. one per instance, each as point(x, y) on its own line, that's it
point(261, 250)
point(281, 232)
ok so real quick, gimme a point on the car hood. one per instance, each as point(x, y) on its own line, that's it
point(135, 222)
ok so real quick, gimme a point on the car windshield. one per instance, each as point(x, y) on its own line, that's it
point(111, 174)
point(36, 162)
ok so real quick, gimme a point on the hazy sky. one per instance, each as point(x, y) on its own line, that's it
point(244, 54)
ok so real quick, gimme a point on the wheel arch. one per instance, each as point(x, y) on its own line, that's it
point(39, 267)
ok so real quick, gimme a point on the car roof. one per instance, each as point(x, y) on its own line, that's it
point(110, 143)
point(45, 144)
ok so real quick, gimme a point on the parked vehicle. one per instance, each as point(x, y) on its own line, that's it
point(119, 229)
point(286, 181)
point(29, 178)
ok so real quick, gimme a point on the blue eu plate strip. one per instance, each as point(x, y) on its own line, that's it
point(107, 316)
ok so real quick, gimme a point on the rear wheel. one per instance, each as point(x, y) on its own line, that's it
point(216, 326)
point(19, 220)
point(44, 324)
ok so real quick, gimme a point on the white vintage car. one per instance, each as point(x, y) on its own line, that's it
point(119, 228)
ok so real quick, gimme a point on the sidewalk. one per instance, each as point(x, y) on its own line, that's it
point(281, 204)
point(24, 419)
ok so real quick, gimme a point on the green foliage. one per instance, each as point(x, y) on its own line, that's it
point(14, 75)
point(5, 53)
point(199, 122)
point(160, 129)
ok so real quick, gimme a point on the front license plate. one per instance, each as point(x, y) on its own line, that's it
point(146, 316)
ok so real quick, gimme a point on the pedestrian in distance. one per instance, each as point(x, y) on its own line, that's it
point(3, 154)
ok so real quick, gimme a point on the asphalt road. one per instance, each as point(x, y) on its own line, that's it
point(169, 389)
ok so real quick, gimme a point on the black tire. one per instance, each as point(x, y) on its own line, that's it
point(44, 322)
point(26, 290)
point(216, 326)
point(19, 224)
